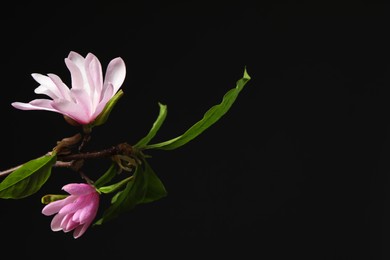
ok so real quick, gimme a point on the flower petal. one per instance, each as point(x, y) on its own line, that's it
point(72, 110)
point(78, 188)
point(47, 86)
point(55, 206)
point(94, 75)
point(75, 64)
point(107, 95)
point(56, 222)
point(80, 230)
point(115, 73)
point(62, 87)
point(36, 104)
point(88, 212)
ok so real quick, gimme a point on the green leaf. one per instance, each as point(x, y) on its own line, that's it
point(107, 176)
point(209, 118)
point(156, 126)
point(103, 116)
point(155, 189)
point(27, 179)
point(145, 187)
point(116, 186)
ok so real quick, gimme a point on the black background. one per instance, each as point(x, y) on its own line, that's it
point(297, 168)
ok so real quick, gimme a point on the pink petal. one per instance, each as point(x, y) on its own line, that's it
point(83, 99)
point(69, 224)
point(80, 230)
point(107, 95)
point(65, 222)
point(73, 207)
point(78, 188)
point(55, 206)
point(74, 111)
point(56, 222)
point(36, 104)
point(88, 212)
point(115, 74)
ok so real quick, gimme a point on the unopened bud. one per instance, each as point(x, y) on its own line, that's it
point(52, 197)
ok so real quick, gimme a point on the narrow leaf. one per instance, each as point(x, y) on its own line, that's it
point(116, 186)
point(27, 179)
point(209, 118)
point(156, 126)
point(107, 176)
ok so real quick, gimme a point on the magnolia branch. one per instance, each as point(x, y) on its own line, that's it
point(71, 160)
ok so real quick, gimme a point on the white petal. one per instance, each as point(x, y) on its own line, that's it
point(36, 104)
point(62, 87)
point(76, 74)
point(47, 86)
point(115, 74)
point(94, 76)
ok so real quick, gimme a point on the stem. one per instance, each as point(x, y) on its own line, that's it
point(69, 160)
point(8, 171)
point(90, 155)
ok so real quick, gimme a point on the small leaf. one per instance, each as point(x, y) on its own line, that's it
point(27, 179)
point(209, 118)
point(102, 118)
point(156, 126)
point(107, 176)
point(116, 186)
point(155, 189)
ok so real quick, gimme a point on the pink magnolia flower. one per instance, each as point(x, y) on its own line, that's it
point(89, 93)
point(75, 212)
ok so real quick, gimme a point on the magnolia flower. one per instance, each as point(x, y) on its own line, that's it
point(89, 93)
point(75, 212)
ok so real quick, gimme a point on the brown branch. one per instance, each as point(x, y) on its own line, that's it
point(90, 155)
point(70, 160)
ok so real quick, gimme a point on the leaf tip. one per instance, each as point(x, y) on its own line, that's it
point(246, 75)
